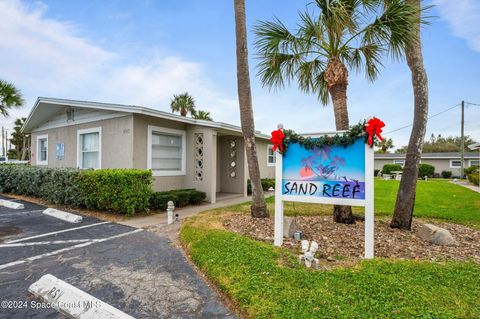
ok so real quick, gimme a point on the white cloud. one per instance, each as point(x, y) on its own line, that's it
point(463, 16)
point(45, 57)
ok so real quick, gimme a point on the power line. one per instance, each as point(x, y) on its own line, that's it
point(476, 104)
point(432, 116)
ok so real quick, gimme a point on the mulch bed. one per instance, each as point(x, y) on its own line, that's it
point(340, 242)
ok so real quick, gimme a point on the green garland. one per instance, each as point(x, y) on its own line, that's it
point(347, 138)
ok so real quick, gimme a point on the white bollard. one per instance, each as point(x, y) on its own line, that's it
point(170, 208)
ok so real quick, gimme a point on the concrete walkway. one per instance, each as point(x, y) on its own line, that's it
point(159, 220)
point(474, 188)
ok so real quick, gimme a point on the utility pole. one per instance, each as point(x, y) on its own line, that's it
point(462, 140)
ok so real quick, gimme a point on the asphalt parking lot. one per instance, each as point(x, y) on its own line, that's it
point(133, 270)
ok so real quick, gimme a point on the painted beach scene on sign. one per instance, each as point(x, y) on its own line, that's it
point(328, 171)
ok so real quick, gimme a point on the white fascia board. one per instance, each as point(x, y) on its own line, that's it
point(137, 110)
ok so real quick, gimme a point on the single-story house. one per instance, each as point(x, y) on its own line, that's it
point(182, 152)
point(441, 161)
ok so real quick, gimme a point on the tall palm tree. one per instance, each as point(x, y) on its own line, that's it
point(403, 212)
point(10, 97)
point(258, 207)
point(202, 115)
point(344, 35)
point(183, 103)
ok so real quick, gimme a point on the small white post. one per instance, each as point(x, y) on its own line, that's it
point(369, 204)
point(278, 235)
point(170, 208)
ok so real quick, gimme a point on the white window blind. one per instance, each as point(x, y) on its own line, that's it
point(89, 146)
point(166, 152)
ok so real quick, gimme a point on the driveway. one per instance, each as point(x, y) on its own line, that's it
point(133, 270)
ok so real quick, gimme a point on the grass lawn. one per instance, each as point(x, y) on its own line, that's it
point(266, 282)
point(435, 199)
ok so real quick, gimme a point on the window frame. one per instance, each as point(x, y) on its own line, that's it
point(79, 145)
point(471, 160)
point(39, 161)
point(167, 131)
point(270, 147)
point(455, 160)
point(396, 160)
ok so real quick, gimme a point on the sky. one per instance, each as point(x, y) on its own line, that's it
point(143, 52)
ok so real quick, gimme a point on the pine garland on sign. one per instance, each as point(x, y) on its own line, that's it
point(346, 138)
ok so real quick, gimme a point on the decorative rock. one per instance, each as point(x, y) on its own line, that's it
point(436, 235)
point(290, 225)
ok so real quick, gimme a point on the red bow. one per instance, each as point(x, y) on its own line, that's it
point(277, 139)
point(374, 126)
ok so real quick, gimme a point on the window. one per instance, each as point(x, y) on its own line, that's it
point(42, 150)
point(401, 162)
point(89, 146)
point(455, 163)
point(473, 163)
point(270, 155)
point(166, 151)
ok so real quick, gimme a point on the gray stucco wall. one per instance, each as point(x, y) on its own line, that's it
point(117, 146)
point(265, 170)
point(439, 164)
point(187, 180)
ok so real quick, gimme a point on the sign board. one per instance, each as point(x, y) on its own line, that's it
point(341, 175)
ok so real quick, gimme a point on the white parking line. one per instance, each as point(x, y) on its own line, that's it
point(54, 232)
point(56, 252)
point(61, 294)
point(38, 243)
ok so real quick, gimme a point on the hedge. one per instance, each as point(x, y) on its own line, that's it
point(124, 191)
point(474, 178)
point(388, 168)
point(180, 198)
point(426, 170)
point(446, 174)
point(119, 190)
point(266, 184)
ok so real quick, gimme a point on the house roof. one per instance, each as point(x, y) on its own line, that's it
point(50, 106)
point(446, 155)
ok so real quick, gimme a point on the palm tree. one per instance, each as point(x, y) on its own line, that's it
point(10, 97)
point(344, 35)
point(384, 146)
point(202, 115)
point(259, 207)
point(403, 212)
point(183, 103)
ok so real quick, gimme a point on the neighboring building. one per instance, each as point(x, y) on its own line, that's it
point(181, 152)
point(441, 161)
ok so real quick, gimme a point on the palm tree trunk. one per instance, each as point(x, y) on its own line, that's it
point(338, 93)
point(402, 215)
point(183, 112)
point(24, 147)
point(259, 207)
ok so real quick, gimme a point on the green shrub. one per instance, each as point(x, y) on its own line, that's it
point(159, 200)
point(426, 170)
point(388, 168)
point(197, 197)
point(266, 184)
point(375, 172)
point(120, 190)
point(179, 197)
point(472, 169)
point(474, 178)
point(446, 174)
